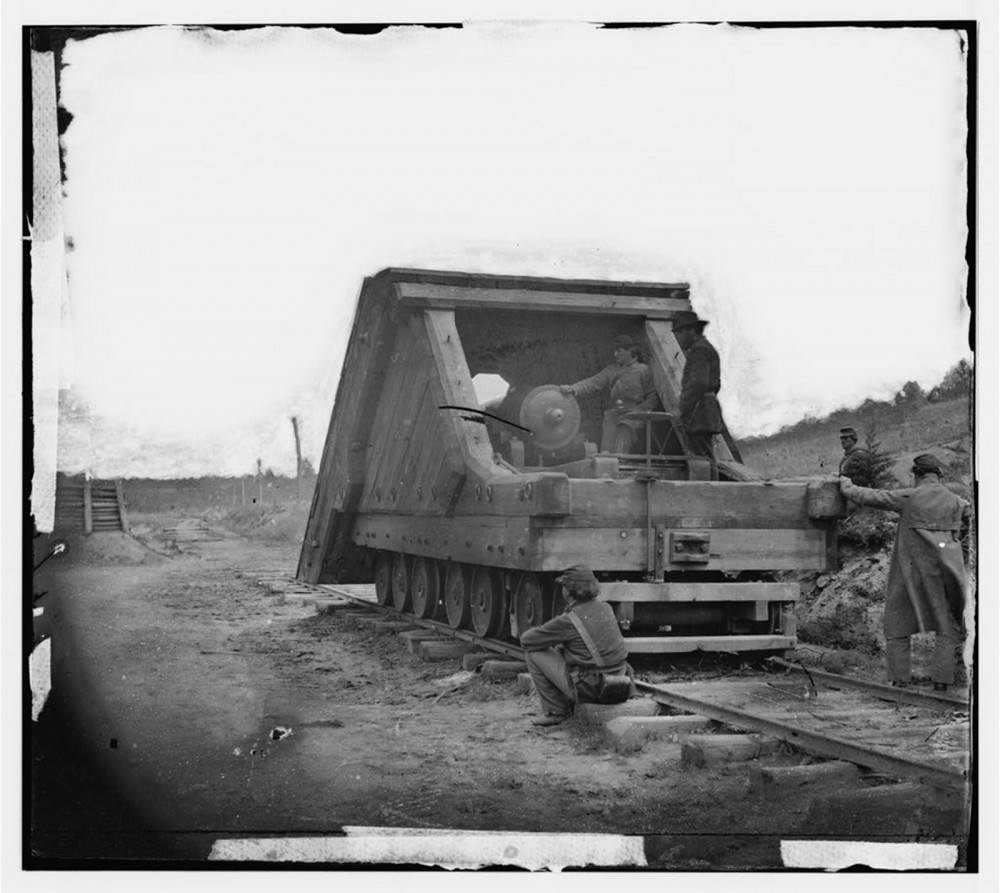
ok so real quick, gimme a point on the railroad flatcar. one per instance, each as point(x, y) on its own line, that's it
point(464, 509)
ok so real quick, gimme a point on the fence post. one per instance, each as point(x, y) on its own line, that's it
point(88, 511)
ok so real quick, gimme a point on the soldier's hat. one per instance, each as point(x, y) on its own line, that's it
point(848, 432)
point(578, 573)
point(687, 319)
point(626, 341)
point(926, 462)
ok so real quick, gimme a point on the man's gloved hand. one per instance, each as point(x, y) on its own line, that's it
point(567, 389)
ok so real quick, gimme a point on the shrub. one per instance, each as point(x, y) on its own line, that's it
point(845, 627)
point(867, 528)
point(880, 464)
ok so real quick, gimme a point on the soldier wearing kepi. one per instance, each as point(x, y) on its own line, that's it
point(580, 655)
point(856, 463)
point(631, 385)
point(926, 588)
point(700, 413)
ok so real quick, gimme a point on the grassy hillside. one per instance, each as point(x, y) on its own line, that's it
point(813, 447)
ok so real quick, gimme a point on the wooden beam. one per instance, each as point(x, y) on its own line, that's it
point(725, 644)
point(451, 297)
point(543, 494)
point(456, 381)
point(694, 503)
point(732, 549)
point(699, 592)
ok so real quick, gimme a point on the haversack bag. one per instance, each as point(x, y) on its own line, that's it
point(614, 689)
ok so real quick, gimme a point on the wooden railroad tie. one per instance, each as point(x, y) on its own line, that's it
point(780, 779)
point(636, 730)
point(447, 649)
point(711, 750)
point(414, 638)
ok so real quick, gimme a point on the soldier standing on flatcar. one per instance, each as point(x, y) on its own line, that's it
point(580, 655)
point(926, 587)
point(631, 385)
point(856, 463)
point(700, 413)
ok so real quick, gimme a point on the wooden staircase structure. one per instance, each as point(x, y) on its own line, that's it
point(85, 505)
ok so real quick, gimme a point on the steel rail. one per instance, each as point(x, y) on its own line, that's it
point(900, 695)
point(824, 745)
point(814, 742)
point(443, 628)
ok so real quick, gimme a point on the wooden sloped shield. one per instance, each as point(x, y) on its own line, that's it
point(552, 416)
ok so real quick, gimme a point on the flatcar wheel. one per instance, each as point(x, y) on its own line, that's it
point(486, 601)
point(456, 595)
point(425, 588)
point(529, 605)
point(383, 578)
point(402, 577)
point(556, 604)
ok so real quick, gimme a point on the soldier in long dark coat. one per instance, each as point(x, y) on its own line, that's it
point(927, 580)
point(700, 413)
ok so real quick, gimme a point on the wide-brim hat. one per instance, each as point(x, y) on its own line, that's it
point(578, 573)
point(687, 319)
point(926, 462)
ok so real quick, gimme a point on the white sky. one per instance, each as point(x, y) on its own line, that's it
point(227, 193)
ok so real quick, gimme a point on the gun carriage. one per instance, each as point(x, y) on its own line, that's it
point(466, 512)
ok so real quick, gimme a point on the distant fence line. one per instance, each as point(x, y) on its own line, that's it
point(149, 495)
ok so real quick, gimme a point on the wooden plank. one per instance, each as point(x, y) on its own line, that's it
point(423, 442)
point(517, 543)
point(399, 430)
point(355, 406)
point(731, 549)
point(725, 644)
point(456, 382)
point(88, 518)
point(450, 297)
point(521, 495)
point(500, 543)
point(699, 592)
point(688, 503)
point(385, 428)
point(541, 283)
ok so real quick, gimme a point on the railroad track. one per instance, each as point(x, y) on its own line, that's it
point(904, 733)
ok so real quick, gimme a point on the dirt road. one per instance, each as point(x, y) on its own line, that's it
point(190, 704)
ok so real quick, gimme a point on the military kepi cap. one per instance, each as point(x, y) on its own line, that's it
point(848, 432)
point(578, 573)
point(926, 462)
point(687, 319)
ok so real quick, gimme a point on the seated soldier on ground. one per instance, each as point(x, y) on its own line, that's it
point(571, 656)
